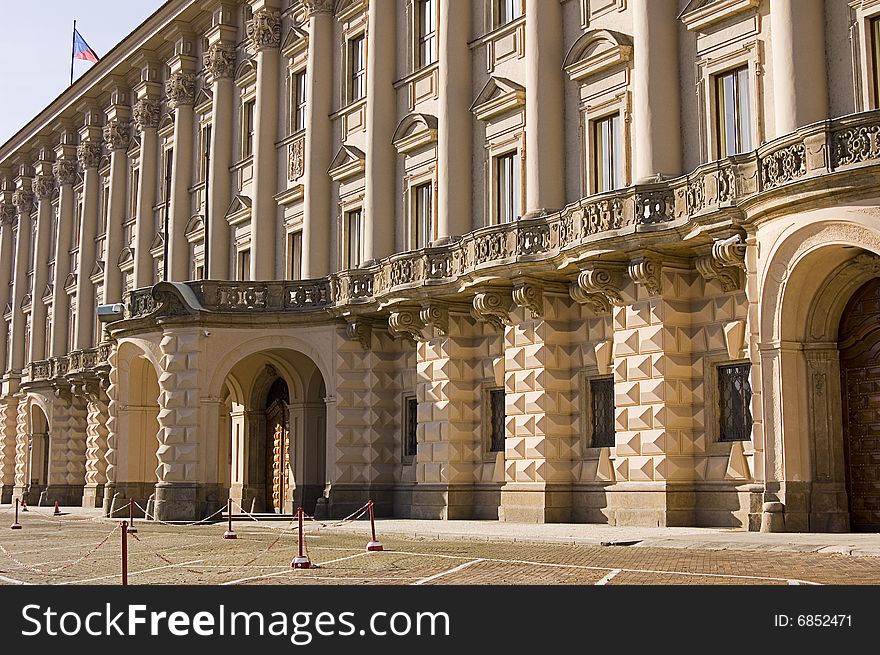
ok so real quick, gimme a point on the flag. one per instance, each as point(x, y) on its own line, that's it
point(81, 49)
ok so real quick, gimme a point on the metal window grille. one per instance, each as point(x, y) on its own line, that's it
point(602, 406)
point(412, 425)
point(734, 397)
point(496, 403)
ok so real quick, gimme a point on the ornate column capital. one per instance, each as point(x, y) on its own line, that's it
point(180, 89)
point(264, 29)
point(44, 186)
point(597, 287)
point(645, 270)
point(89, 154)
point(8, 214)
point(493, 307)
point(64, 171)
point(117, 134)
point(146, 112)
point(24, 200)
point(318, 6)
point(219, 61)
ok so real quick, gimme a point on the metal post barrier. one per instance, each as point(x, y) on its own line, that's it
point(16, 525)
point(230, 533)
point(373, 545)
point(125, 553)
point(301, 561)
point(131, 528)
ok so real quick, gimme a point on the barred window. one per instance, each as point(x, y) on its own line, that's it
point(602, 412)
point(411, 420)
point(735, 396)
point(496, 407)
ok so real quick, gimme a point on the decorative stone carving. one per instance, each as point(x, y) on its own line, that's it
point(64, 171)
point(726, 185)
point(493, 307)
point(530, 296)
point(318, 6)
point(264, 29)
point(655, 207)
point(44, 186)
point(598, 288)
point(406, 323)
point(296, 164)
point(646, 271)
point(8, 214)
point(854, 146)
point(146, 112)
point(360, 330)
point(725, 263)
point(868, 263)
point(180, 89)
point(23, 199)
point(219, 61)
point(89, 154)
point(117, 135)
point(436, 320)
point(784, 165)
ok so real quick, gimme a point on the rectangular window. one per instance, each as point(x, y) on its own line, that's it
point(507, 188)
point(734, 400)
point(199, 273)
point(498, 415)
point(243, 267)
point(607, 159)
point(299, 101)
point(423, 214)
point(357, 67)
point(205, 155)
point(734, 120)
point(427, 45)
point(247, 139)
point(411, 421)
point(353, 239)
point(294, 255)
point(135, 189)
point(602, 412)
point(875, 59)
point(105, 209)
point(507, 11)
point(169, 168)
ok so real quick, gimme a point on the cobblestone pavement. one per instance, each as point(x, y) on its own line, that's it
point(75, 549)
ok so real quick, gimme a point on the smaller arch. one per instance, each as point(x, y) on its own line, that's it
point(245, 72)
point(415, 131)
point(596, 51)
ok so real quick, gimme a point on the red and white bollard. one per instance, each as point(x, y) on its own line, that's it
point(373, 544)
point(131, 529)
point(230, 533)
point(301, 561)
point(57, 509)
point(16, 525)
point(124, 525)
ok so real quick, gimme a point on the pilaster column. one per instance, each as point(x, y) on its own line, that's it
point(219, 62)
point(180, 90)
point(65, 177)
point(117, 136)
point(381, 155)
point(23, 199)
point(8, 404)
point(800, 87)
point(146, 112)
point(545, 142)
point(264, 32)
point(89, 155)
point(8, 217)
point(454, 120)
point(44, 188)
point(657, 123)
point(319, 141)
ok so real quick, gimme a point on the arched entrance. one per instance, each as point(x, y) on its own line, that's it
point(277, 433)
point(859, 343)
point(38, 458)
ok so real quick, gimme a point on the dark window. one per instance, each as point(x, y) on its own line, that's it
point(496, 406)
point(602, 409)
point(735, 397)
point(412, 426)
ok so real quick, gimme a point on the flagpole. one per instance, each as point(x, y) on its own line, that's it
point(72, 49)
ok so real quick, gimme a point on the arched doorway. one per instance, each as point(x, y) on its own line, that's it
point(277, 434)
point(38, 460)
point(859, 344)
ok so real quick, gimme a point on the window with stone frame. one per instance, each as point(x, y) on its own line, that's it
point(601, 411)
point(607, 153)
point(247, 128)
point(507, 187)
point(733, 116)
point(357, 67)
point(875, 59)
point(298, 101)
point(426, 42)
point(734, 402)
point(353, 239)
point(411, 426)
point(506, 11)
point(423, 215)
point(497, 416)
point(294, 255)
point(243, 264)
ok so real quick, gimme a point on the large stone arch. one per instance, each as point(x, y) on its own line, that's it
point(810, 274)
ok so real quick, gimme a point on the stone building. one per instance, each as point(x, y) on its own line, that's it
point(530, 260)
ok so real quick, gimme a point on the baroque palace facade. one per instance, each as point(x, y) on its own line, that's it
point(530, 260)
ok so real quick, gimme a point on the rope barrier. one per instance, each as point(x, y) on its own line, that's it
point(65, 566)
point(158, 554)
point(179, 525)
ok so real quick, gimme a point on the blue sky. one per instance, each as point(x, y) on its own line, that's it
point(35, 40)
